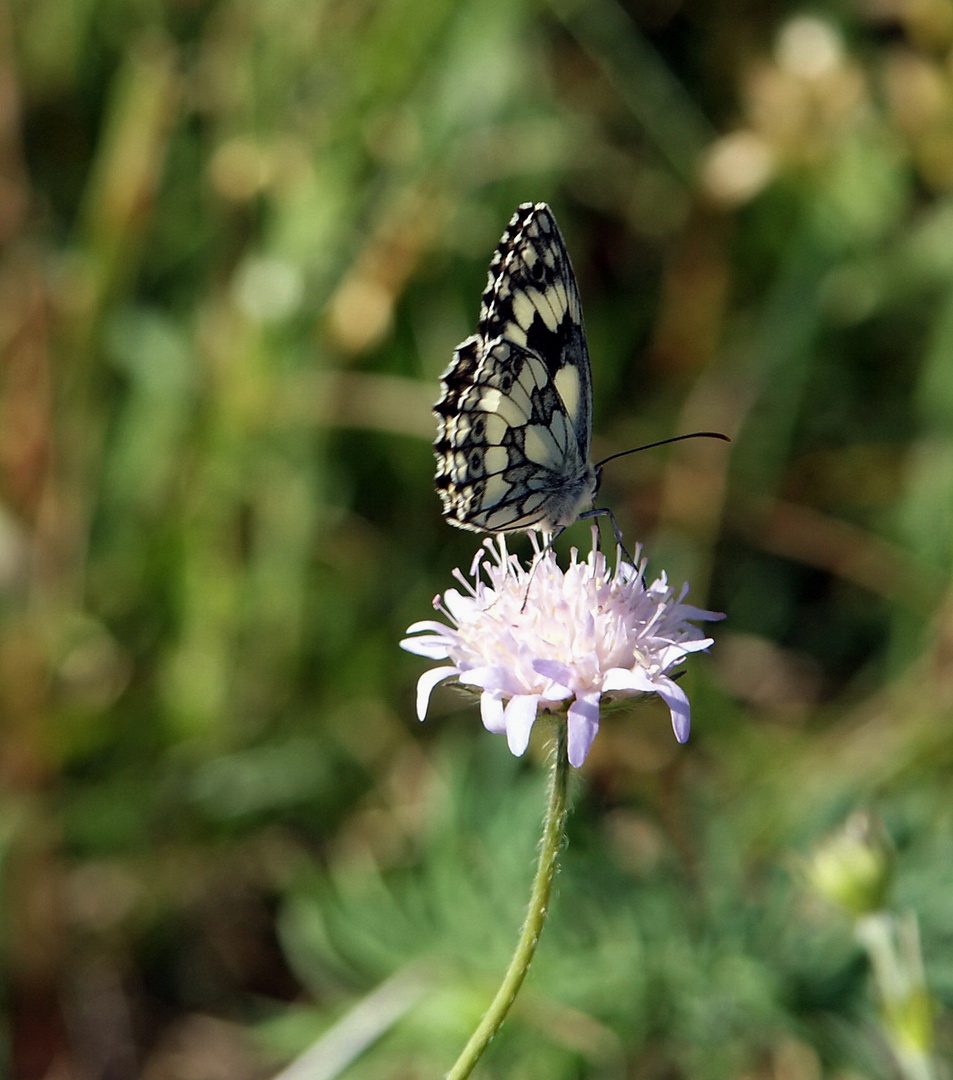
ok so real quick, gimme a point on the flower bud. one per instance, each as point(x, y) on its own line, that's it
point(853, 868)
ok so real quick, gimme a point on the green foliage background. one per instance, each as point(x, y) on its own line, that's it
point(240, 240)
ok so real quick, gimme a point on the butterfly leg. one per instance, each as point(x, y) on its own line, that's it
point(616, 531)
point(548, 540)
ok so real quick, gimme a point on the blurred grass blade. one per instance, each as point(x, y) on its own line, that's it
point(660, 103)
point(360, 1027)
point(125, 174)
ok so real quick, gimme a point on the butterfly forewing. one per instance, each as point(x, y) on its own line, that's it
point(514, 415)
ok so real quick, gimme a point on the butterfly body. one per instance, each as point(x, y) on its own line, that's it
point(514, 419)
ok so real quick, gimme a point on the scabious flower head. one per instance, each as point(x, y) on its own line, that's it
point(538, 637)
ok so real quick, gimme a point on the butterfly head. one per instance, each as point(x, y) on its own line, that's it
point(569, 501)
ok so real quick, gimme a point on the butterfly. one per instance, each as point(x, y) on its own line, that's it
point(514, 419)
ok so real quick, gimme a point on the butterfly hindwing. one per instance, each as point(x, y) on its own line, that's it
point(514, 417)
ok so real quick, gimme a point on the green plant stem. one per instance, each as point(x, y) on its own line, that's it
point(907, 1010)
point(553, 831)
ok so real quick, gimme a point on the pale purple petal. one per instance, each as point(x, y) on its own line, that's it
point(677, 701)
point(588, 630)
point(491, 712)
point(559, 679)
point(519, 715)
point(425, 685)
point(689, 611)
point(583, 721)
point(553, 669)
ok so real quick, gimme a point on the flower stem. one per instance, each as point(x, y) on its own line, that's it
point(907, 1010)
point(553, 830)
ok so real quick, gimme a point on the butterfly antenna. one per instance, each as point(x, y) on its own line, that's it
point(664, 442)
point(602, 512)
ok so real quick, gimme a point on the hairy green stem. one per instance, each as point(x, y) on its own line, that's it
point(553, 831)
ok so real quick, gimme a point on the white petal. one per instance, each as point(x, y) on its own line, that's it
point(458, 605)
point(583, 721)
point(675, 653)
point(491, 712)
point(425, 685)
point(434, 648)
point(428, 624)
point(519, 715)
point(490, 677)
point(676, 699)
point(635, 679)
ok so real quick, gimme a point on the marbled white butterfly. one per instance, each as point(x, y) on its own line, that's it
point(514, 419)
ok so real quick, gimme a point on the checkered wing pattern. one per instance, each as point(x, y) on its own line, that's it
point(514, 417)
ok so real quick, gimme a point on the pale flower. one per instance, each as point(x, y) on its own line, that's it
point(538, 637)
